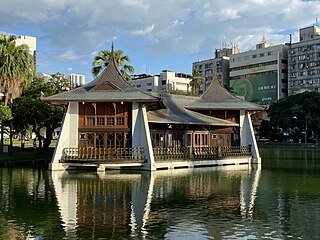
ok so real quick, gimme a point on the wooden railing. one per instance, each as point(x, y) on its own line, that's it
point(171, 153)
point(160, 154)
point(235, 151)
point(163, 154)
point(102, 154)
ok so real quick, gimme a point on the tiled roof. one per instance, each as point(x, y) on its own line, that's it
point(217, 97)
point(175, 113)
point(107, 86)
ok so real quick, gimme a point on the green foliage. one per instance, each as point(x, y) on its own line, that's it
point(297, 114)
point(35, 113)
point(196, 82)
point(177, 91)
point(122, 61)
point(16, 68)
point(5, 112)
point(60, 83)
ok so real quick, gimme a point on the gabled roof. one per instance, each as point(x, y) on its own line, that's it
point(108, 86)
point(175, 113)
point(218, 98)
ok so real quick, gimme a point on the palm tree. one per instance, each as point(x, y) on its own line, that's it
point(196, 82)
point(121, 60)
point(16, 68)
point(16, 72)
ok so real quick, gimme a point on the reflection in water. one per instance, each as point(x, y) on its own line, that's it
point(156, 204)
point(279, 201)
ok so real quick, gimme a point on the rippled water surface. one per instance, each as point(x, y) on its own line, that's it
point(279, 200)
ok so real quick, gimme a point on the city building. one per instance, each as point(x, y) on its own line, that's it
point(260, 75)
point(218, 65)
point(146, 82)
point(28, 40)
point(167, 80)
point(304, 61)
point(32, 44)
point(76, 80)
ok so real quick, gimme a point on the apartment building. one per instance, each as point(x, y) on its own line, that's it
point(28, 40)
point(218, 65)
point(76, 80)
point(260, 75)
point(304, 61)
point(146, 82)
point(166, 80)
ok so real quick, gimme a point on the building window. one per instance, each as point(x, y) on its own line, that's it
point(119, 140)
point(90, 140)
point(110, 140)
point(99, 140)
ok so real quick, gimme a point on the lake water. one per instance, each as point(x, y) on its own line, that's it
point(278, 200)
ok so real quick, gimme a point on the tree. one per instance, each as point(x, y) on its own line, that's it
point(39, 115)
point(298, 115)
point(61, 82)
point(16, 68)
point(196, 82)
point(122, 61)
point(16, 72)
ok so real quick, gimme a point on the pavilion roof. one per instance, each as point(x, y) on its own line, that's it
point(108, 86)
point(176, 113)
point(218, 98)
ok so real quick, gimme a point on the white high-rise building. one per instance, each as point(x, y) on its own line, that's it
point(218, 65)
point(167, 80)
point(30, 41)
point(76, 79)
point(260, 75)
point(304, 61)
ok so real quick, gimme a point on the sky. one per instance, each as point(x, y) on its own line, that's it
point(155, 34)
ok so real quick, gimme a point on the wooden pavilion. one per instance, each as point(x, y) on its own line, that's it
point(110, 124)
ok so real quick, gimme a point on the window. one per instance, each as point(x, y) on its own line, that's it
point(254, 56)
point(90, 140)
point(99, 140)
point(119, 139)
point(149, 84)
point(110, 140)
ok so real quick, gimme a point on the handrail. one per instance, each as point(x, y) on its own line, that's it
point(102, 154)
point(200, 152)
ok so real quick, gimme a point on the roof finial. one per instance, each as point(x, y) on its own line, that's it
point(112, 48)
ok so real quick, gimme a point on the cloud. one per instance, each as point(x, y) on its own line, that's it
point(144, 31)
point(188, 27)
point(67, 56)
point(69, 69)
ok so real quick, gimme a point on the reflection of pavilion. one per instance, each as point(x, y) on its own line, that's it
point(122, 205)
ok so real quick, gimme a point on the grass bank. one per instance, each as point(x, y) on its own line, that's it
point(27, 155)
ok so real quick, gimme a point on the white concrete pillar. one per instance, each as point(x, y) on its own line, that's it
point(140, 131)
point(68, 136)
point(247, 136)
